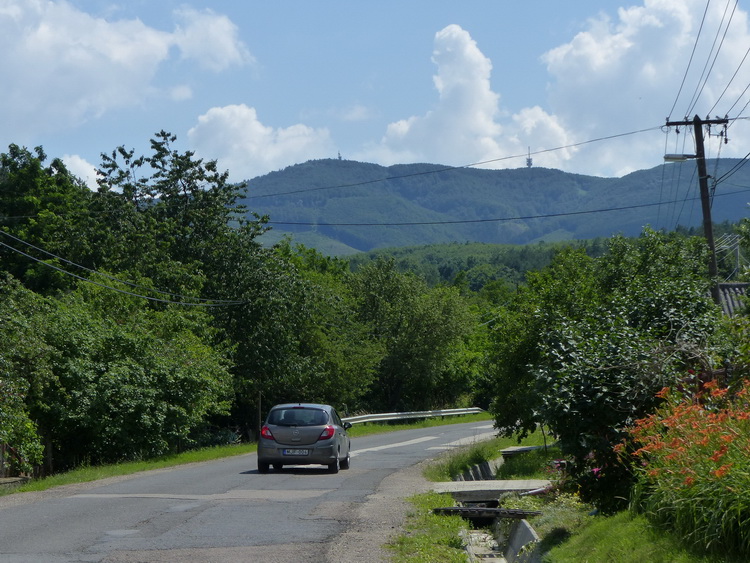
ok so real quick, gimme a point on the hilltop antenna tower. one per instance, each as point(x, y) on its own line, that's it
point(529, 162)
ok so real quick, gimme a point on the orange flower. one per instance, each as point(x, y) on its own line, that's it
point(723, 470)
point(663, 393)
point(689, 481)
point(719, 392)
point(676, 443)
point(718, 454)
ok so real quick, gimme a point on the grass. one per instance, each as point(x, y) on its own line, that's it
point(625, 538)
point(428, 537)
point(436, 538)
point(449, 467)
point(93, 473)
point(86, 474)
point(530, 465)
point(569, 532)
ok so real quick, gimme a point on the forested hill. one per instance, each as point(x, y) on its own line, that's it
point(342, 207)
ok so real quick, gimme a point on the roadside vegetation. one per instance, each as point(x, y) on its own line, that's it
point(145, 320)
point(86, 474)
point(569, 529)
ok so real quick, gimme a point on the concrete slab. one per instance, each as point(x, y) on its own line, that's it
point(477, 491)
point(12, 482)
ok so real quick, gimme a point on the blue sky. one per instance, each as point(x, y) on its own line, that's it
point(261, 85)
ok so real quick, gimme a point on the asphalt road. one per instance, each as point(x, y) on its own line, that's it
point(226, 511)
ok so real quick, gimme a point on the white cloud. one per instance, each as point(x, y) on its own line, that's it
point(356, 112)
point(624, 75)
point(82, 169)
point(62, 66)
point(181, 92)
point(210, 39)
point(465, 125)
point(235, 137)
point(617, 75)
point(462, 126)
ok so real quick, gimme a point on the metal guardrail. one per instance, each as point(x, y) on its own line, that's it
point(382, 417)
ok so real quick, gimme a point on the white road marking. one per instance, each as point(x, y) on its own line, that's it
point(472, 439)
point(237, 494)
point(396, 445)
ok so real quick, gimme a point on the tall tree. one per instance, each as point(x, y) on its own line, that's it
point(424, 332)
point(42, 208)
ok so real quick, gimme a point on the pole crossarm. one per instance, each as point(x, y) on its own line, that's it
point(686, 122)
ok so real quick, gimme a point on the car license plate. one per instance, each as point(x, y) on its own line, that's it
point(296, 452)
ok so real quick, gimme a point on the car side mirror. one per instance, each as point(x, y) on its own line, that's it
point(347, 425)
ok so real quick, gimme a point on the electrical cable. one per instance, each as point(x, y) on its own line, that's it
point(706, 68)
point(450, 168)
point(493, 220)
point(737, 70)
point(743, 161)
point(156, 299)
point(112, 278)
point(690, 61)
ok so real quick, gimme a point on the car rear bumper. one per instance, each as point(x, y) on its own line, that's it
point(292, 455)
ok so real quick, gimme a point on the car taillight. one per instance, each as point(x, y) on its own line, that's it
point(265, 432)
point(328, 432)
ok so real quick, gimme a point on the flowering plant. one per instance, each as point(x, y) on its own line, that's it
point(690, 459)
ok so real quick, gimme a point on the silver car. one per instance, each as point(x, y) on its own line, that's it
point(304, 434)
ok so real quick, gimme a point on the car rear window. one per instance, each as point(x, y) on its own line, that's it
point(298, 416)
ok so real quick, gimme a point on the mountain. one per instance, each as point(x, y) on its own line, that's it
point(343, 207)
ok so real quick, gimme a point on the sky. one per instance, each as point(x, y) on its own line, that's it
point(585, 86)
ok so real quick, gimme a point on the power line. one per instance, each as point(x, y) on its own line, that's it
point(737, 70)
point(494, 220)
point(690, 61)
point(112, 278)
point(708, 69)
point(450, 168)
point(132, 294)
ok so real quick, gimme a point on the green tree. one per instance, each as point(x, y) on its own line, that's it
point(425, 334)
point(342, 356)
point(126, 381)
point(180, 220)
point(22, 357)
point(41, 211)
point(597, 339)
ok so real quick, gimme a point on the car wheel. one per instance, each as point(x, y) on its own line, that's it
point(262, 467)
point(333, 467)
point(278, 466)
point(344, 463)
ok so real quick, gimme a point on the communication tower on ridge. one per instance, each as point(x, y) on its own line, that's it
point(528, 159)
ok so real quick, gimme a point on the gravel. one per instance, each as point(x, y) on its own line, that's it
point(380, 519)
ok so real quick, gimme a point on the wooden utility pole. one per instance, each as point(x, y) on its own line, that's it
point(700, 157)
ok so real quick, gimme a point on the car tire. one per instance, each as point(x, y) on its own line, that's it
point(344, 463)
point(263, 467)
point(278, 466)
point(333, 467)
